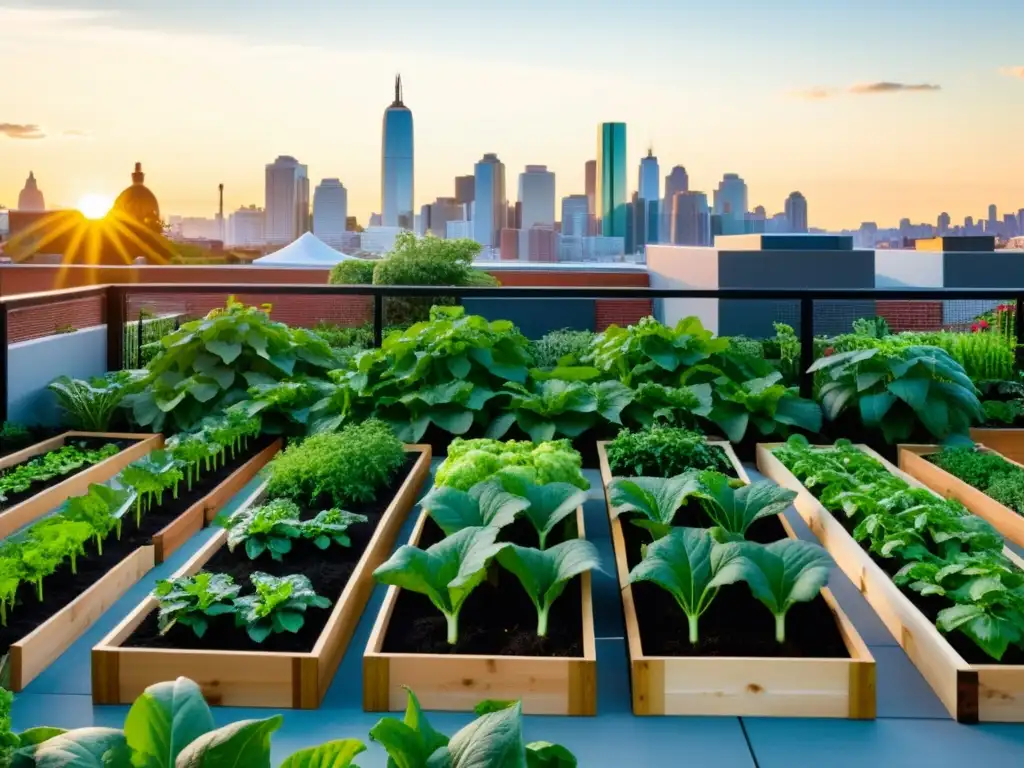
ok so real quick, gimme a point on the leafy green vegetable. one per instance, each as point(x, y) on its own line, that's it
point(485, 504)
point(192, 600)
point(411, 741)
point(691, 566)
point(331, 526)
point(656, 498)
point(661, 451)
point(544, 574)
point(472, 461)
point(734, 510)
point(90, 405)
point(151, 476)
point(268, 528)
point(246, 742)
point(989, 472)
point(564, 347)
point(279, 605)
point(446, 572)
point(784, 573)
point(550, 504)
point(656, 404)
point(494, 740)
point(165, 719)
point(63, 461)
point(334, 754)
point(81, 747)
point(554, 407)
point(103, 508)
point(770, 406)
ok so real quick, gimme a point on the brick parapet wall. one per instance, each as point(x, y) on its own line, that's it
point(911, 315)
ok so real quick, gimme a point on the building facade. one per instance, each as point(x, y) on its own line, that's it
point(691, 219)
point(610, 193)
point(245, 228)
point(31, 197)
point(536, 197)
point(575, 216)
point(731, 197)
point(649, 199)
point(796, 212)
point(675, 182)
point(330, 212)
point(465, 189)
point(287, 201)
point(397, 183)
point(590, 185)
point(490, 209)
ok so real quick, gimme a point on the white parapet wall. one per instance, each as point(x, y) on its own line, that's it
point(674, 266)
point(33, 364)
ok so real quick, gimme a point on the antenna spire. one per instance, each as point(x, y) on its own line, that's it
point(398, 89)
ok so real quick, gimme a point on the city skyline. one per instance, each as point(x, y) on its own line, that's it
point(864, 137)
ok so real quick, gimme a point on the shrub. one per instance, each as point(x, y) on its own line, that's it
point(339, 468)
point(566, 346)
point(343, 336)
point(664, 452)
point(353, 272)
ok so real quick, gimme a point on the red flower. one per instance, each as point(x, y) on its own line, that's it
point(829, 351)
point(1002, 308)
point(975, 328)
point(983, 323)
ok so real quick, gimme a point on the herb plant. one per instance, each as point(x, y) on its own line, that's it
point(338, 468)
point(564, 347)
point(446, 572)
point(472, 461)
point(544, 573)
point(268, 528)
point(279, 605)
point(990, 473)
point(192, 600)
point(661, 451)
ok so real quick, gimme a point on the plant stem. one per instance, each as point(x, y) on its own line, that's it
point(780, 628)
point(453, 628)
point(39, 589)
point(692, 621)
point(542, 620)
point(543, 538)
point(138, 511)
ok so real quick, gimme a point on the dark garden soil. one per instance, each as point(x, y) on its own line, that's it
point(328, 570)
point(88, 443)
point(35, 435)
point(736, 624)
point(64, 586)
point(498, 618)
point(931, 606)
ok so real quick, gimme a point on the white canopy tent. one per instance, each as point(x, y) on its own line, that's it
point(308, 251)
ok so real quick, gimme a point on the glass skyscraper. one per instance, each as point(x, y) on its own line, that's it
point(649, 189)
point(396, 172)
point(490, 207)
point(610, 193)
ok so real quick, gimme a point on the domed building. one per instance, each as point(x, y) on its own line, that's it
point(138, 204)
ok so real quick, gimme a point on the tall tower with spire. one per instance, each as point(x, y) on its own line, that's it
point(31, 198)
point(396, 166)
point(648, 199)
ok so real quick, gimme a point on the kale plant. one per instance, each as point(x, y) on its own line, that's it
point(192, 600)
point(270, 527)
point(279, 605)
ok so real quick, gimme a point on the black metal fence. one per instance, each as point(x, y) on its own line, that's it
point(117, 317)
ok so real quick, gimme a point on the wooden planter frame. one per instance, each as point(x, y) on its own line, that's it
point(458, 682)
point(914, 461)
point(255, 678)
point(970, 692)
point(31, 509)
point(1008, 442)
point(742, 686)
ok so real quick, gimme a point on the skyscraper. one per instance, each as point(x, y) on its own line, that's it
point(31, 198)
point(676, 181)
point(942, 225)
point(575, 216)
point(537, 196)
point(330, 212)
point(691, 219)
point(796, 212)
point(442, 211)
point(245, 228)
point(731, 197)
point(465, 187)
point(590, 184)
point(610, 193)
point(287, 200)
point(649, 197)
point(993, 215)
point(490, 210)
point(396, 164)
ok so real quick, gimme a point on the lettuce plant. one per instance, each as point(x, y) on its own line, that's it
point(103, 508)
point(270, 527)
point(192, 600)
point(657, 499)
point(472, 461)
point(485, 504)
point(734, 510)
point(784, 573)
point(691, 566)
point(279, 605)
point(151, 476)
point(655, 403)
point(446, 572)
point(331, 527)
point(549, 505)
point(57, 463)
point(544, 573)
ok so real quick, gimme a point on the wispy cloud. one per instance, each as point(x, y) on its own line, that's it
point(819, 93)
point(75, 134)
point(21, 131)
point(1013, 72)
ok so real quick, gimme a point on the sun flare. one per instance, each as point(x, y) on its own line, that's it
point(95, 206)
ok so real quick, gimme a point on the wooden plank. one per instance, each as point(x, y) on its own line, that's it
point(238, 479)
point(250, 678)
point(37, 650)
point(914, 461)
point(18, 516)
point(954, 681)
point(1008, 442)
point(742, 686)
point(458, 682)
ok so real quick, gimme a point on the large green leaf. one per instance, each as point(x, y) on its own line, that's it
point(332, 754)
point(914, 392)
point(873, 408)
point(411, 741)
point(612, 397)
point(80, 748)
point(228, 351)
point(494, 740)
point(798, 412)
point(656, 498)
point(453, 421)
point(551, 503)
point(244, 743)
point(165, 719)
point(485, 504)
point(544, 754)
point(834, 398)
point(736, 509)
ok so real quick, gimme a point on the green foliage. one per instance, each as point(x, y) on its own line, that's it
point(655, 499)
point(988, 355)
point(353, 272)
point(764, 402)
point(663, 452)
point(270, 527)
point(485, 504)
point(788, 345)
point(192, 600)
point(209, 364)
point(873, 327)
point(446, 572)
point(734, 510)
point(557, 408)
point(338, 468)
point(61, 462)
point(564, 347)
point(544, 573)
point(989, 472)
point(896, 388)
point(91, 405)
point(279, 605)
point(102, 508)
point(472, 461)
point(939, 548)
point(657, 405)
point(149, 477)
point(691, 566)
point(1005, 412)
point(331, 527)
point(549, 505)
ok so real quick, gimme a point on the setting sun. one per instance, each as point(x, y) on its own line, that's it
point(95, 206)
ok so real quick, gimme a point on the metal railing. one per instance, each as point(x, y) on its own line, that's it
point(116, 297)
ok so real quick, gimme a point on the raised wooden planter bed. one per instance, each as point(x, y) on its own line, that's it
point(914, 461)
point(742, 686)
point(19, 515)
point(457, 682)
point(1009, 442)
point(254, 678)
point(970, 692)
